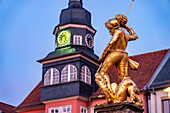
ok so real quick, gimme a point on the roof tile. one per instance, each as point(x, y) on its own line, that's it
point(6, 108)
point(33, 99)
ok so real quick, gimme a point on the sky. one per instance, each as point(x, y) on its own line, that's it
point(26, 35)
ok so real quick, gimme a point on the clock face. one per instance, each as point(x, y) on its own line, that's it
point(63, 37)
point(89, 40)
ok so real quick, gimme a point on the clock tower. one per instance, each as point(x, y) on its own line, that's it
point(68, 71)
point(75, 27)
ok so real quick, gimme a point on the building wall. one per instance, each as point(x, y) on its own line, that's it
point(144, 102)
point(156, 101)
point(93, 102)
point(35, 111)
point(75, 105)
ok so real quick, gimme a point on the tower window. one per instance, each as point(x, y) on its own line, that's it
point(85, 75)
point(77, 40)
point(51, 77)
point(69, 73)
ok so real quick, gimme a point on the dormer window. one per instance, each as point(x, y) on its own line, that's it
point(85, 75)
point(69, 73)
point(51, 77)
point(77, 39)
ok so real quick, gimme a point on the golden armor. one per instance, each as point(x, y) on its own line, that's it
point(115, 54)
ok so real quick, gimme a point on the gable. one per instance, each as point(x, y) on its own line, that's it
point(163, 78)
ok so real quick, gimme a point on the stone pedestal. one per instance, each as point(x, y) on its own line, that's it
point(118, 108)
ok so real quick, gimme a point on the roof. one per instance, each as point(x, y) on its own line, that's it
point(70, 50)
point(6, 108)
point(149, 63)
point(162, 80)
point(75, 16)
point(33, 99)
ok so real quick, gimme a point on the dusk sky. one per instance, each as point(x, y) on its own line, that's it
point(26, 35)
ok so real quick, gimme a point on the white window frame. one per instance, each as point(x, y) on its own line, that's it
point(54, 108)
point(60, 109)
point(67, 106)
point(75, 39)
point(163, 100)
point(69, 73)
point(84, 108)
point(51, 76)
point(92, 110)
point(85, 74)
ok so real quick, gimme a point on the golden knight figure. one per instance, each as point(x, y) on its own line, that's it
point(115, 54)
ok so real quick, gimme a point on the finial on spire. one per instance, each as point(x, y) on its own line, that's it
point(75, 3)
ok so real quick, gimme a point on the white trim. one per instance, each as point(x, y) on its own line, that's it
point(66, 99)
point(165, 59)
point(69, 73)
point(84, 108)
point(71, 56)
point(73, 25)
point(51, 77)
point(85, 74)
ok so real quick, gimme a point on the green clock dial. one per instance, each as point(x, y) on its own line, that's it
point(89, 40)
point(63, 37)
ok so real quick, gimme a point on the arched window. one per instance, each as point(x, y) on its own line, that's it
point(85, 75)
point(69, 73)
point(51, 77)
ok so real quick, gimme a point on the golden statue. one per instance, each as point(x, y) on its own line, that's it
point(115, 54)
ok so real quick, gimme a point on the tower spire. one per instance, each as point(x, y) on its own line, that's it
point(75, 3)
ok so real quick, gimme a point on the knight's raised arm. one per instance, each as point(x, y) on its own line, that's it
point(132, 34)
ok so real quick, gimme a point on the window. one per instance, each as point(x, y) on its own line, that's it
point(166, 106)
point(66, 109)
point(83, 109)
point(51, 77)
point(69, 73)
point(77, 40)
point(85, 75)
point(92, 110)
point(60, 109)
